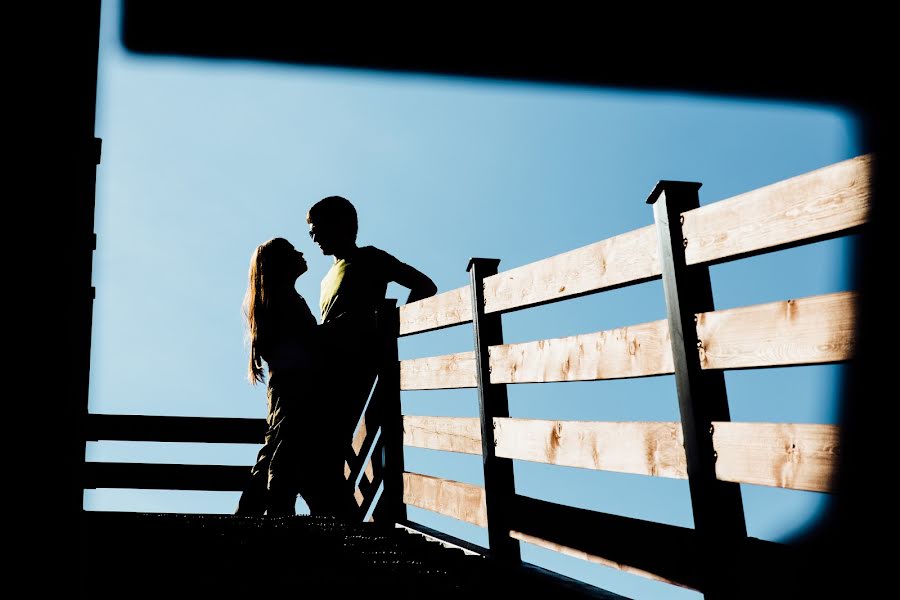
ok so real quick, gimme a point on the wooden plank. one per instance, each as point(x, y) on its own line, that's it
point(442, 538)
point(815, 205)
point(799, 457)
point(361, 445)
point(818, 329)
point(541, 582)
point(174, 429)
point(369, 471)
point(165, 477)
point(635, 351)
point(439, 311)
point(365, 492)
point(575, 553)
point(438, 372)
point(451, 434)
point(451, 498)
point(361, 434)
point(655, 550)
point(369, 492)
point(625, 259)
point(642, 448)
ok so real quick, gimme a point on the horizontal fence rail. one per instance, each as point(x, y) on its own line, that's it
point(654, 550)
point(635, 351)
point(626, 259)
point(462, 501)
point(823, 203)
point(449, 371)
point(141, 428)
point(815, 330)
point(640, 448)
point(443, 310)
point(450, 434)
point(795, 456)
point(164, 477)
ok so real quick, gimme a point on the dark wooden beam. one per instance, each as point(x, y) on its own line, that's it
point(796, 60)
point(391, 508)
point(671, 553)
point(175, 429)
point(717, 505)
point(165, 477)
point(499, 482)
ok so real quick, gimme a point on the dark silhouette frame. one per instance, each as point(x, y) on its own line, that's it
point(794, 63)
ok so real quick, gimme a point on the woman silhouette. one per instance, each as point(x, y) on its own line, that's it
point(296, 457)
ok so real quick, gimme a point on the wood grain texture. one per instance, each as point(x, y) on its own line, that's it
point(642, 448)
point(439, 372)
point(451, 498)
point(361, 434)
point(813, 205)
point(628, 258)
point(451, 434)
point(795, 456)
point(635, 351)
point(818, 329)
point(442, 310)
point(364, 493)
point(361, 444)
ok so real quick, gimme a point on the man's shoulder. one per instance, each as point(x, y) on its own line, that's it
point(374, 254)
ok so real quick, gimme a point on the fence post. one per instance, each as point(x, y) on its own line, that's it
point(717, 505)
point(391, 508)
point(499, 483)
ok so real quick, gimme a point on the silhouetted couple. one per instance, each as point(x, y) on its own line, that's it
point(319, 376)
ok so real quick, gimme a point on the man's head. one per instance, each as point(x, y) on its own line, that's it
point(332, 224)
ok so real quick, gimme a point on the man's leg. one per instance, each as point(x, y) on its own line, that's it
point(284, 475)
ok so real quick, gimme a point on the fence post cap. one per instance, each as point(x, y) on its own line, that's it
point(483, 262)
point(664, 185)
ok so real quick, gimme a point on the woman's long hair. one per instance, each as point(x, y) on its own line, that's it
point(268, 268)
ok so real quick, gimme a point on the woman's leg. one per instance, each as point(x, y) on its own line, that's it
point(283, 476)
point(254, 497)
point(283, 486)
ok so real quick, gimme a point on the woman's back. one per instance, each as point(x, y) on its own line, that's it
point(286, 335)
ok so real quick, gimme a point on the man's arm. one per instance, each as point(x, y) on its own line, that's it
point(419, 284)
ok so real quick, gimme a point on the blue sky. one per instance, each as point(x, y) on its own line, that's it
point(204, 160)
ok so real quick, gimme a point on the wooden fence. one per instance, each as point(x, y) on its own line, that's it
point(694, 342)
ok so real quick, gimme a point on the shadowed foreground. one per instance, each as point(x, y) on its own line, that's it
point(128, 555)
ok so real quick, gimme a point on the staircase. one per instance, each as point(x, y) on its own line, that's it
point(133, 555)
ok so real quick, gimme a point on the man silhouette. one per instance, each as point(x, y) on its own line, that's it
point(358, 279)
point(351, 293)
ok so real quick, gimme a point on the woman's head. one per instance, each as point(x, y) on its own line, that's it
point(275, 264)
point(274, 267)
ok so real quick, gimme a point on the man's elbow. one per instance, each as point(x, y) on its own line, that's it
point(424, 289)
